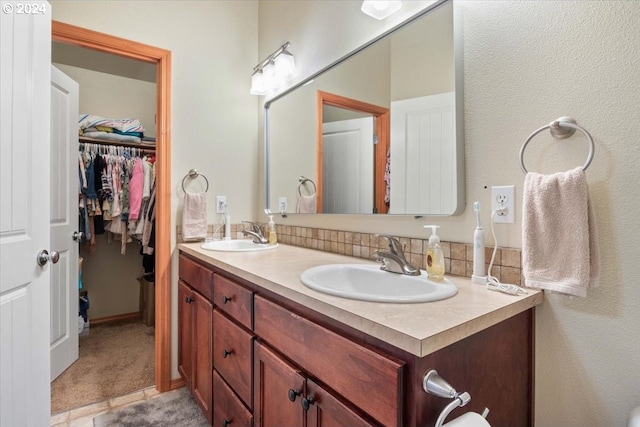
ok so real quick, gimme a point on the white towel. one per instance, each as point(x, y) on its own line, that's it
point(307, 204)
point(194, 216)
point(559, 237)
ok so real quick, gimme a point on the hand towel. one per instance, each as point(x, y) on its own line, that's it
point(306, 204)
point(194, 216)
point(560, 249)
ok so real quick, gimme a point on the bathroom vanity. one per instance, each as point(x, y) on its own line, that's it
point(258, 348)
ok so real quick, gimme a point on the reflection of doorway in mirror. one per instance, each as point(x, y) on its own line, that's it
point(424, 134)
point(378, 154)
point(347, 169)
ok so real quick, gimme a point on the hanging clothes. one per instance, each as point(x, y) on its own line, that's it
point(117, 186)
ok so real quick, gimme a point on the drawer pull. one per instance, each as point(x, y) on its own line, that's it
point(293, 394)
point(188, 300)
point(226, 422)
point(225, 299)
point(307, 402)
point(225, 353)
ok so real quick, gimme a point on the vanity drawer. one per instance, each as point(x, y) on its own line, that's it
point(371, 381)
point(227, 407)
point(196, 275)
point(233, 355)
point(234, 299)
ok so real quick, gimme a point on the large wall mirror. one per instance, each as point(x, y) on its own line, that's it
point(380, 131)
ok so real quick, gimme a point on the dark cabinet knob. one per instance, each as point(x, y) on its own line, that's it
point(293, 394)
point(307, 402)
point(226, 422)
point(188, 300)
point(225, 299)
point(225, 353)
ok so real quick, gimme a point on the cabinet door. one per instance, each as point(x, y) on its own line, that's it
point(325, 410)
point(202, 348)
point(185, 295)
point(275, 380)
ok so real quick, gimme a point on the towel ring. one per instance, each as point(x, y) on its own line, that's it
point(557, 132)
point(193, 174)
point(302, 180)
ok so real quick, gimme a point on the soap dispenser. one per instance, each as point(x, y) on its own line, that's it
point(273, 237)
point(434, 259)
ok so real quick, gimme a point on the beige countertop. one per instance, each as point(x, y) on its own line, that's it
point(419, 329)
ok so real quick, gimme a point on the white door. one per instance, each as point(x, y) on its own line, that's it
point(347, 166)
point(423, 135)
point(64, 221)
point(25, 64)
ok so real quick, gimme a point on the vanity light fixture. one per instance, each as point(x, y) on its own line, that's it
point(381, 9)
point(273, 72)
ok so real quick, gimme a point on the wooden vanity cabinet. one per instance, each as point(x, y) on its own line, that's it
point(271, 362)
point(278, 389)
point(233, 355)
point(370, 381)
point(195, 345)
point(286, 398)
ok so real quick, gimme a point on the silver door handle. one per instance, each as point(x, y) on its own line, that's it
point(77, 236)
point(44, 257)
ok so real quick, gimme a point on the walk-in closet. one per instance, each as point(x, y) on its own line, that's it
point(116, 216)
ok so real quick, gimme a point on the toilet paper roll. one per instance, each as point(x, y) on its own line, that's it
point(469, 419)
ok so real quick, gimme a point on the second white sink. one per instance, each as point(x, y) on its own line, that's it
point(369, 283)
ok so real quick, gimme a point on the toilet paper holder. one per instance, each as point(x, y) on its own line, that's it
point(433, 383)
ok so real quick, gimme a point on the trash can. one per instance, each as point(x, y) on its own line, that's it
point(148, 300)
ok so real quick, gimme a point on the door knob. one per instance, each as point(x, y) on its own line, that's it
point(77, 235)
point(44, 257)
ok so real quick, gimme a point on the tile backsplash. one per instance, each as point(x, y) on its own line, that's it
point(458, 257)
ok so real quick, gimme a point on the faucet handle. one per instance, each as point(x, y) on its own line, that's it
point(394, 244)
point(255, 227)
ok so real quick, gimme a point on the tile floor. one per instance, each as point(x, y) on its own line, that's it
point(83, 416)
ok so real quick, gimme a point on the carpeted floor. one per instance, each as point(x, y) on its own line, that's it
point(115, 359)
point(172, 409)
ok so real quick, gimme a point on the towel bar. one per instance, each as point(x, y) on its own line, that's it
point(301, 181)
point(556, 129)
point(193, 174)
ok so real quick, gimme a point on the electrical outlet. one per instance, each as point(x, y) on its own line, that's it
point(504, 196)
point(282, 204)
point(221, 204)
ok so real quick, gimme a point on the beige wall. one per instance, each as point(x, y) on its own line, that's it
point(526, 64)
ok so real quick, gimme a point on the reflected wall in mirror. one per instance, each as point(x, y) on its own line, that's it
point(380, 131)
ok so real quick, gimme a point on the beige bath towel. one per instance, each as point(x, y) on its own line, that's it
point(306, 204)
point(194, 216)
point(559, 236)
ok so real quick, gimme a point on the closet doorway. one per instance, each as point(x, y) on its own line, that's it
point(69, 34)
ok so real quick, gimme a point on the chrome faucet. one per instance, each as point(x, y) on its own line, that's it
point(394, 260)
point(255, 232)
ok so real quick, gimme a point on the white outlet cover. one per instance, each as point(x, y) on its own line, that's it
point(503, 192)
point(282, 204)
point(221, 204)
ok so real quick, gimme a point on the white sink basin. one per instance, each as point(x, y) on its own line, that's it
point(369, 283)
point(236, 246)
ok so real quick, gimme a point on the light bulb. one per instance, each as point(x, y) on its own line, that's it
point(268, 71)
point(257, 83)
point(285, 67)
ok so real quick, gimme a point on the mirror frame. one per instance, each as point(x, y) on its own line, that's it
point(459, 107)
